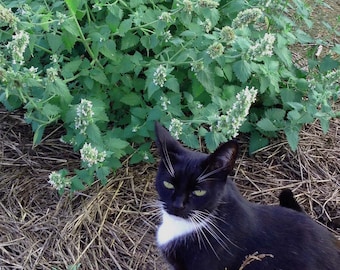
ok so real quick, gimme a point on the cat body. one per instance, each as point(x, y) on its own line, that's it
point(208, 225)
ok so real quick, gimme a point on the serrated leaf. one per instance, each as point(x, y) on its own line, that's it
point(125, 26)
point(131, 99)
point(242, 70)
point(102, 174)
point(50, 110)
point(99, 76)
point(172, 84)
point(129, 40)
point(206, 79)
point(116, 143)
point(328, 63)
point(257, 142)
point(73, 5)
point(94, 134)
point(59, 88)
point(266, 125)
point(54, 41)
point(71, 27)
point(275, 114)
point(292, 134)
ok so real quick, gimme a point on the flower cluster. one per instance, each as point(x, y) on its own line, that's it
point(231, 122)
point(91, 156)
point(58, 181)
point(207, 25)
point(52, 74)
point(245, 17)
point(18, 46)
point(84, 115)
point(188, 6)
point(7, 16)
point(215, 50)
point(197, 66)
point(208, 3)
point(167, 36)
point(159, 76)
point(176, 128)
point(165, 102)
point(165, 16)
point(263, 47)
point(227, 34)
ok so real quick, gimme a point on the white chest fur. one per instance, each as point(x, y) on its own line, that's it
point(173, 227)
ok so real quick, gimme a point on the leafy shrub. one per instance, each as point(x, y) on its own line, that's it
point(107, 71)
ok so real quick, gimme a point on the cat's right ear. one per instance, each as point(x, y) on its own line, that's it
point(165, 142)
point(224, 157)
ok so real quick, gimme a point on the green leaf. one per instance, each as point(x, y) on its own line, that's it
point(257, 142)
point(99, 76)
point(242, 70)
point(94, 134)
point(172, 84)
point(73, 5)
point(54, 41)
point(131, 99)
point(328, 63)
point(266, 125)
point(206, 78)
point(125, 26)
point(70, 26)
point(275, 114)
point(102, 174)
point(50, 110)
point(59, 88)
point(292, 134)
point(38, 134)
point(129, 40)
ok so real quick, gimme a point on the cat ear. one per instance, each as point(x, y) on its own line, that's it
point(165, 142)
point(224, 157)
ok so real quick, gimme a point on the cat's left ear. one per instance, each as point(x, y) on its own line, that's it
point(224, 157)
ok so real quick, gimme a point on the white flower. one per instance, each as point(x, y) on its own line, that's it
point(246, 17)
point(165, 102)
point(176, 128)
point(18, 46)
point(84, 115)
point(58, 181)
point(52, 74)
point(262, 47)
point(159, 76)
point(234, 117)
point(91, 156)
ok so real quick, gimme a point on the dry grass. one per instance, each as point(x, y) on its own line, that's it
point(113, 227)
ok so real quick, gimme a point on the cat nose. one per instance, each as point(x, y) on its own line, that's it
point(178, 202)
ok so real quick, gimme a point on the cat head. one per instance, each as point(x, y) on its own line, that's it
point(189, 181)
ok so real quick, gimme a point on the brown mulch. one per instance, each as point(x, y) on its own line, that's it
point(112, 227)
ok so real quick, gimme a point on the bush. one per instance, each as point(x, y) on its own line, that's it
point(204, 68)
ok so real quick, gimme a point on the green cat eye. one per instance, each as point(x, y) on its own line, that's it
point(199, 192)
point(168, 185)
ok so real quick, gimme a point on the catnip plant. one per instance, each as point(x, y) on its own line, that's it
point(106, 70)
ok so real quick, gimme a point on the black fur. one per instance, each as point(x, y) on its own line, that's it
point(291, 239)
point(287, 199)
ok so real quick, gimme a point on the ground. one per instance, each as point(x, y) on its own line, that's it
point(112, 227)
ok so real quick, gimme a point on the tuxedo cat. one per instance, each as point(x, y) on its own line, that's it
point(208, 225)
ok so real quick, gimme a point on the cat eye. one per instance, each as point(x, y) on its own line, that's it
point(168, 185)
point(199, 192)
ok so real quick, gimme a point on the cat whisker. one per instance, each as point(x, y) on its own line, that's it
point(195, 219)
point(213, 230)
point(167, 161)
point(204, 176)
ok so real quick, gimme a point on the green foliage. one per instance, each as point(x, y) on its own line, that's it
point(107, 71)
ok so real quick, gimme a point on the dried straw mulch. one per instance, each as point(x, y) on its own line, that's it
point(112, 227)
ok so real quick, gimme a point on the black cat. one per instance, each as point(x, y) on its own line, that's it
point(208, 225)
